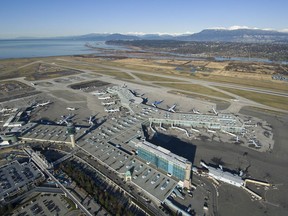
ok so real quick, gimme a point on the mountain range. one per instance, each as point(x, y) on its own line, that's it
point(238, 35)
point(221, 35)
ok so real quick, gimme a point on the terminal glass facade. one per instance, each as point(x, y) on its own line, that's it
point(162, 163)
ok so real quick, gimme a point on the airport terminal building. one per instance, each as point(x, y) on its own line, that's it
point(224, 122)
point(165, 160)
point(125, 95)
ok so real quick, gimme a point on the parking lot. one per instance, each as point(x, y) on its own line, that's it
point(14, 176)
point(46, 204)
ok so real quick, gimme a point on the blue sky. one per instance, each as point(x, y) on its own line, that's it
point(71, 17)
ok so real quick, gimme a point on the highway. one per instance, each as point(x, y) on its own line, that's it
point(66, 191)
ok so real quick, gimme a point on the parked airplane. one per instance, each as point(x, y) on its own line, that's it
point(211, 131)
point(108, 103)
point(65, 119)
point(42, 104)
point(112, 110)
point(172, 108)
point(8, 110)
point(99, 93)
point(155, 103)
point(214, 111)
point(71, 108)
point(236, 139)
point(104, 98)
point(253, 142)
point(90, 121)
point(195, 111)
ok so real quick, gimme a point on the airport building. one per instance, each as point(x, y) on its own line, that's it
point(224, 122)
point(165, 160)
point(14, 120)
point(125, 95)
point(227, 177)
point(53, 134)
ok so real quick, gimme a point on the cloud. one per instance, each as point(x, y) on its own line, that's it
point(247, 27)
point(235, 27)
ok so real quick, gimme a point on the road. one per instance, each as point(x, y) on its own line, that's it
point(209, 187)
point(66, 191)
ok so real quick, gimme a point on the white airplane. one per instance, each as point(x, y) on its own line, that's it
point(112, 110)
point(8, 110)
point(196, 111)
point(252, 141)
point(237, 139)
point(211, 131)
point(171, 109)
point(108, 103)
point(104, 98)
point(65, 119)
point(214, 111)
point(90, 121)
point(99, 93)
point(42, 104)
point(71, 108)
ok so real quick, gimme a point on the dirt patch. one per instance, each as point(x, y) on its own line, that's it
point(10, 90)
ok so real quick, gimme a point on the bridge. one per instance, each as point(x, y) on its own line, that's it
point(67, 156)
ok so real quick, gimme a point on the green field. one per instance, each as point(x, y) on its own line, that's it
point(148, 77)
point(117, 74)
point(197, 96)
point(194, 88)
point(266, 99)
point(264, 84)
point(153, 69)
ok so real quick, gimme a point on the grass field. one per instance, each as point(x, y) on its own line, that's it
point(97, 69)
point(194, 88)
point(79, 65)
point(266, 99)
point(117, 74)
point(197, 96)
point(264, 84)
point(10, 69)
point(147, 77)
point(155, 69)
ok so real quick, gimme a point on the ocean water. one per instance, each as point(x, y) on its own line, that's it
point(47, 47)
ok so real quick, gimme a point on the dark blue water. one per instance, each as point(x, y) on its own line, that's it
point(47, 47)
